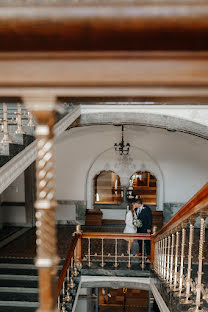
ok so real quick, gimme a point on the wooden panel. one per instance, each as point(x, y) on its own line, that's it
point(113, 221)
point(130, 25)
point(93, 217)
point(125, 70)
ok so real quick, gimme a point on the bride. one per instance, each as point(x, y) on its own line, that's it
point(130, 228)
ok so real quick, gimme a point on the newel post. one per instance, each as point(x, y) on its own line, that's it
point(79, 246)
point(43, 109)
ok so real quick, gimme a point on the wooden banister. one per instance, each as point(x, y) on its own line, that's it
point(67, 263)
point(198, 202)
point(116, 235)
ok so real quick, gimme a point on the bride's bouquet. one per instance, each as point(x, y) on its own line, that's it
point(137, 223)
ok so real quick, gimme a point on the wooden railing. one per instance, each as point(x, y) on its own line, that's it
point(130, 238)
point(166, 261)
point(66, 285)
point(169, 264)
point(70, 268)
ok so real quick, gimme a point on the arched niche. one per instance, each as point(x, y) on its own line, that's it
point(107, 188)
point(143, 184)
point(125, 167)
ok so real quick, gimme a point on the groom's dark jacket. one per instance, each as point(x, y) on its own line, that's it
point(146, 217)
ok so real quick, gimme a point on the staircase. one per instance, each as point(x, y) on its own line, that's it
point(16, 157)
point(18, 285)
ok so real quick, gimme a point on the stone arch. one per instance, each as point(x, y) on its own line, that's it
point(182, 119)
point(124, 167)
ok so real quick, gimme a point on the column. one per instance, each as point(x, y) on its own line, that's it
point(46, 258)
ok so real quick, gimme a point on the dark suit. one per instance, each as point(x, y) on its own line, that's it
point(146, 217)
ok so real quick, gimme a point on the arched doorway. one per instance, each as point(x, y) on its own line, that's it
point(107, 188)
point(143, 184)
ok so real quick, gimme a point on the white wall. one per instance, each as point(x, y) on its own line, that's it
point(15, 193)
point(180, 161)
point(182, 158)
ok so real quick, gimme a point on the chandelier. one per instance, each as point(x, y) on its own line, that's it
point(121, 147)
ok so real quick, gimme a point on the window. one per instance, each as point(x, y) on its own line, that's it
point(107, 188)
point(143, 184)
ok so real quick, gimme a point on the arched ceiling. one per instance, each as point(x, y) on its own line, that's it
point(192, 120)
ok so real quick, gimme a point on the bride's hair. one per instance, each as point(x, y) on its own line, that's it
point(132, 210)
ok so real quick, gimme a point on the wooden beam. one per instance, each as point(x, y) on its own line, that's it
point(114, 70)
point(99, 25)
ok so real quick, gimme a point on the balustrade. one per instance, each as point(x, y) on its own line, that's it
point(66, 286)
point(117, 256)
point(67, 283)
point(17, 121)
point(6, 138)
point(170, 253)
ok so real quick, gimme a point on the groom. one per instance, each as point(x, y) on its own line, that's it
point(143, 213)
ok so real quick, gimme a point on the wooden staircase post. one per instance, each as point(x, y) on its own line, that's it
point(79, 246)
point(46, 240)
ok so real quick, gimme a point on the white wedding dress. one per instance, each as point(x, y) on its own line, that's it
point(129, 228)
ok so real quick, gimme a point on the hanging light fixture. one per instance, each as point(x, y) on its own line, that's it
point(121, 147)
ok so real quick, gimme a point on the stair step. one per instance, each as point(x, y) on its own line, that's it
point(17, 309)
point(16, 271)
point(24, 261)
point(19, 277)
point(21, 266)
point(19, 290)
point(19, 296)
point(19, 283)
point(17, 260)
point(17, 266)
point(18, 304)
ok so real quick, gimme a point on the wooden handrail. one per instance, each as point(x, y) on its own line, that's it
point(116, 235)
point(66, 264)
point(198, 202)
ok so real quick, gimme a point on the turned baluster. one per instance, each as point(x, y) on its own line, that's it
point(187, 300)
point(102, 256)
point(30, 119)
point(143, 256)
point(6, 138)
point(129, 254)
point(89, 262)
point(116, 253)
point(75, 271)
point(46, 240)
point(68, 297)
point(168, 259)
point(63, 298)
point(58, 304)
point(199, 285)
point(79, 247)
point(176, 262)
point(160, 258)
point(181, 277)
point(72, 284)
point(171, 260)
point(165, 258)
point(19, 120)
point(156, 258)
